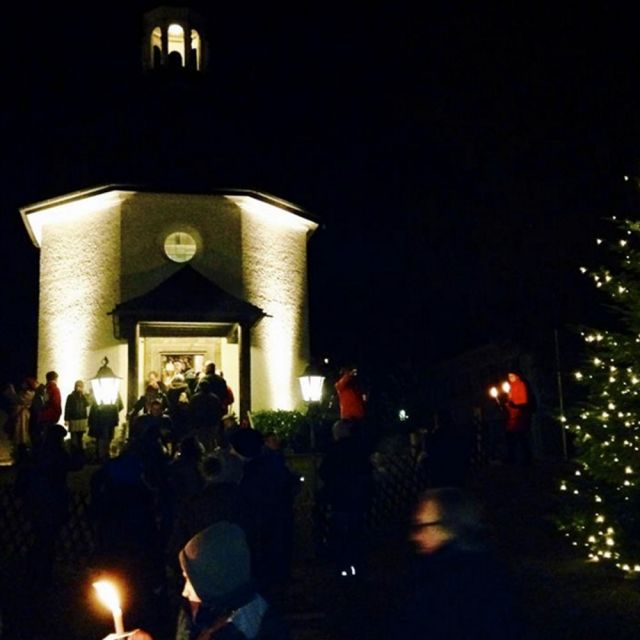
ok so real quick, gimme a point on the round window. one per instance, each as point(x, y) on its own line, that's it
point(180, 246)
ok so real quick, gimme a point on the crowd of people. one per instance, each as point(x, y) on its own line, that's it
point(198, 505)
point(186, 467)
point(177, 407)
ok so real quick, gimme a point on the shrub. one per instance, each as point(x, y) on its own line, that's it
point(285, 424)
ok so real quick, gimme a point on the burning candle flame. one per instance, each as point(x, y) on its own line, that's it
point(108, 595)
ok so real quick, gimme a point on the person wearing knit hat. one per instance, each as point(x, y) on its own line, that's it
point(216, 562)
point(221, 595)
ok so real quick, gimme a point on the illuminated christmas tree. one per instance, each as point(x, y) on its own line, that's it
point(601, 506)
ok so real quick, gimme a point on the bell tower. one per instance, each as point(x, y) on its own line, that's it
point(174, 39)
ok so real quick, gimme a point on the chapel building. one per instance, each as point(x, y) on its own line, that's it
point(156, 277)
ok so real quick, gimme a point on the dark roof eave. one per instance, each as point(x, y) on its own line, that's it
point(185, 296)
point(209, 316)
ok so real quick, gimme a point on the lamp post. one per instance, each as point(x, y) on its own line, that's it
point(311, 383)
point(104, 413)
point(105, 384)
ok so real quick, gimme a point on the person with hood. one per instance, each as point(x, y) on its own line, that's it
point(221, 601)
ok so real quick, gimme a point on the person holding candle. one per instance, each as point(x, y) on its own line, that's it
point(519, 408)
point(221, 601)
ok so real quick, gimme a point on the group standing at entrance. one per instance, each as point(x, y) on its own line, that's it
point(185, 407)
point(194, 406)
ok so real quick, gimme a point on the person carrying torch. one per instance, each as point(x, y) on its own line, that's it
point(514, 397)
point(518, 407)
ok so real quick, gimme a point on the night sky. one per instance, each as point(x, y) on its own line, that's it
point(462, 161)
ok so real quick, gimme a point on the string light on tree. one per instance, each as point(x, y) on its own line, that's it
point(606, 424)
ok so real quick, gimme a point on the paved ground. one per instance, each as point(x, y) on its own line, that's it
point(565, 597)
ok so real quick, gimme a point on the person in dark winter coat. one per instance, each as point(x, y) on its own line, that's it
point(458, 587)
point(221, 601)
point(178, 396)
point(127, 532)
point(41, 481)
point(76, 409)
point(153, 428)
point(103, 420)
point(206, 412)
point(216, 383)
point(219, 499)
point(36, 429)
point(186, 478)
point(267, 489)
point(346, 475)
point(142, 405)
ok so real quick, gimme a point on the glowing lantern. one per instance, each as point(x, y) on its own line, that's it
point(311, 383)
point(105, 384)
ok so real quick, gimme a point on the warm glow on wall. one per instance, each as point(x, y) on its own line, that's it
point(94, 254)
point(67, 210)
point(79, 285)
point(271, 213)
point(277, 337)
point(275, 279)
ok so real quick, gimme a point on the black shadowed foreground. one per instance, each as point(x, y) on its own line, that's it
point(564, 597)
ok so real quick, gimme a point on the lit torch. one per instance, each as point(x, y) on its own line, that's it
point(108, 595)
point(506, 387)
point(493, 392)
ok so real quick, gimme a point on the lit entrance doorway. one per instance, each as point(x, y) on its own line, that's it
point(167, 347)
point(188, 314)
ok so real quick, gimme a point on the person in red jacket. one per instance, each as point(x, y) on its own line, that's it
point(350, 396)
point(52, 409)
point(518, 407)
point(351, 399)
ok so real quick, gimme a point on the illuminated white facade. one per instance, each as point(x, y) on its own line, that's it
point(106, 246)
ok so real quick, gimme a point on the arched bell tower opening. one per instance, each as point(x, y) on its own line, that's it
point(174, 38)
